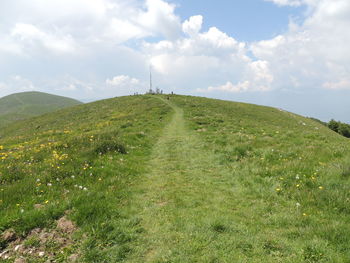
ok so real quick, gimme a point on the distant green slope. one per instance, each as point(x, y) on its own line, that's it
point(146, 179)
point(23, 105)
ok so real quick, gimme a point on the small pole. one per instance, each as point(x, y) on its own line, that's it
point(150, 78)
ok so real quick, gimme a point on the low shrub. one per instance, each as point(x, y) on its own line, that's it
point(110, 146)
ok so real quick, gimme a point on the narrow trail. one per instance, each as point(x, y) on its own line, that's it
point(183, 200)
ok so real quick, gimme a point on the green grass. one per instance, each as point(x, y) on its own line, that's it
point(24, 105)
point(185, 180)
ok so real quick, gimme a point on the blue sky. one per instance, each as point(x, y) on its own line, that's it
point(249, 20)
point(291, 54)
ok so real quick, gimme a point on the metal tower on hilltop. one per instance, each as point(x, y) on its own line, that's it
point(150, 79)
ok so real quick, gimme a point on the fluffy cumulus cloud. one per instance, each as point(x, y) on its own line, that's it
point(199, 59)
point(258, 78)
point(314, 54)
point(66, 26)
point(193, 25)
point(82, 44)
point(160, 18)
point(72, 47)
point(124, 84)
point(32, 37)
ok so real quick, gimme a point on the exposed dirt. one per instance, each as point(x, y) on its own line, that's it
point(50, 245)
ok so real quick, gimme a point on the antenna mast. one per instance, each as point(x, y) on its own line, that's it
point(150, 78)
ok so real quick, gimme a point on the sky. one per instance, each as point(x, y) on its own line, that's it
point(290, 54)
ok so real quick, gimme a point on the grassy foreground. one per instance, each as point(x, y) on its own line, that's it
point(80, 161)
point(186, 180)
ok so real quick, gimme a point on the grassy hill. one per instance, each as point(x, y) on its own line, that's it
point(146, 179)
point(24, 105)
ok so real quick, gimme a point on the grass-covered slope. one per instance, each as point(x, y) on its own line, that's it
point(23, 105)
point(146, 179)
point(82, 160)
point(288, 177)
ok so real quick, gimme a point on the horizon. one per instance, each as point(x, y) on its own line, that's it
point(289, 54)
point(86, 101)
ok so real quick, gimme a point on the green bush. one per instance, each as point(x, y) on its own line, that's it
point(339, 127)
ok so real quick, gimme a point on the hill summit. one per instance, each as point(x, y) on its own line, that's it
point(23, 105)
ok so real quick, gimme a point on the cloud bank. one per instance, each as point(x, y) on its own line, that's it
point(102, 48)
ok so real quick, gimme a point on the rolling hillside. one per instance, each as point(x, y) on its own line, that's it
point(146, 179)
point(24, 105)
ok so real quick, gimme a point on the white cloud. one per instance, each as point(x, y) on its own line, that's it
point(71, 85)
point(57, 9)
point(313, 54)
point(184, 54)
point(193, 25)
point(125, 85)
point(122, 81)
point(258, 78)
point(343, 84)
point(160, 19)
point(121, 31)
point(287, 2)
point(261, 73)
point(196, 54)
point(295, 3)
point(30, 35)
point(68, 26)
point(8, 46)
point(229, 87)
point(202, 58)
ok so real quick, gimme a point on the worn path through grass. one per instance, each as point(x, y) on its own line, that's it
point(184, 202)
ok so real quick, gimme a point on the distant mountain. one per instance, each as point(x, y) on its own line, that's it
point(24, 105)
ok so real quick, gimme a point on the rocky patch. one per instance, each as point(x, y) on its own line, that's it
point(46, 244)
